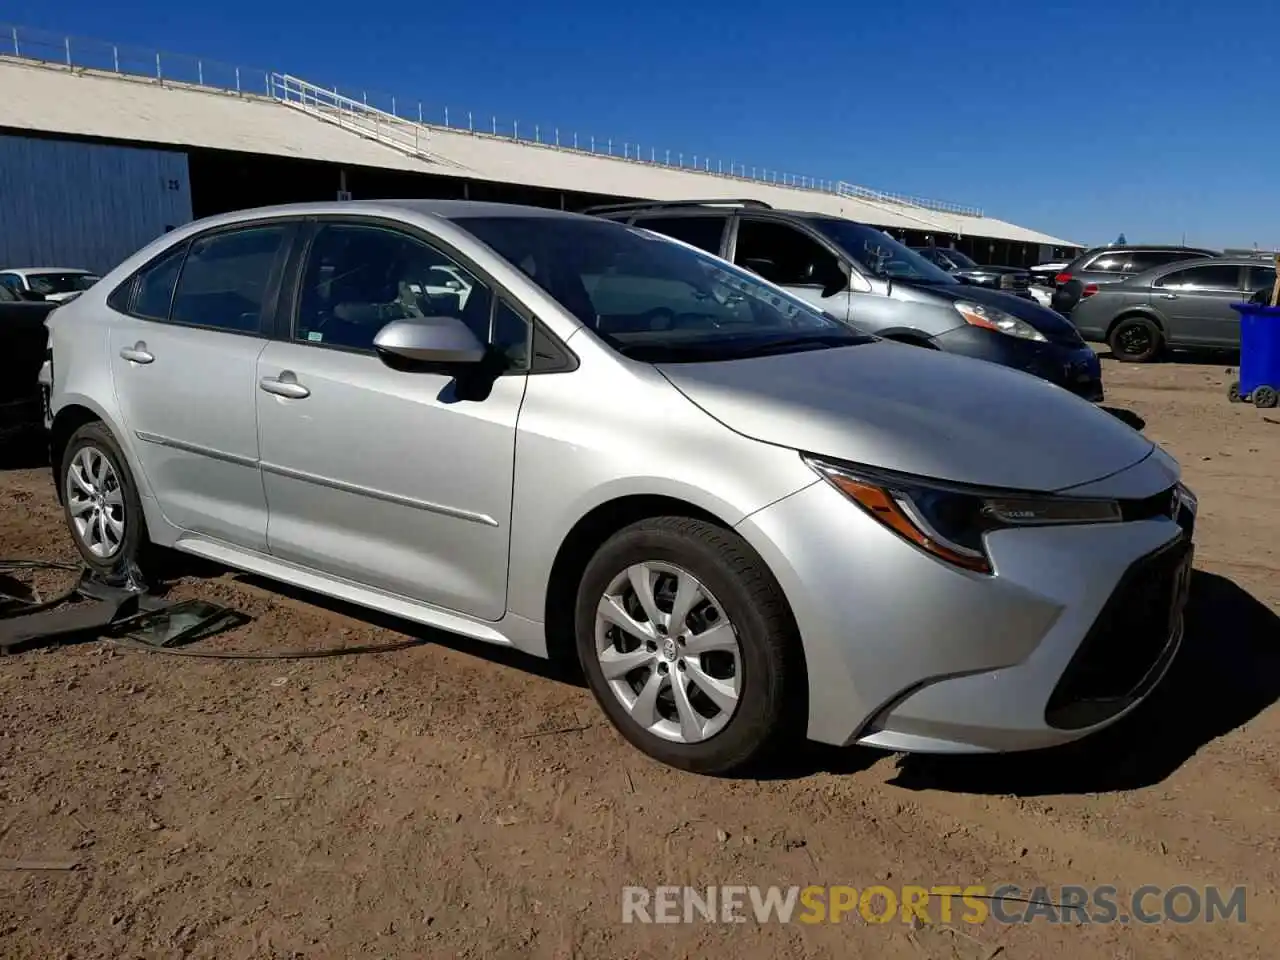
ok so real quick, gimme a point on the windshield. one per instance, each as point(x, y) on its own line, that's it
point(959, 259)
point(652, 298)
point(880, 254)
point(54, 283)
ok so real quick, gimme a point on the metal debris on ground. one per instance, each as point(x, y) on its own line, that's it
point(118, 607)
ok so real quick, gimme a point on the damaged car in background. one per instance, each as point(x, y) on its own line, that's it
point(747, 521)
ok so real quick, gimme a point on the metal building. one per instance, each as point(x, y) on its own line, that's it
point(68, 203)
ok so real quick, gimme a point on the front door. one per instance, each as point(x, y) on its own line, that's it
point(789, 257)
point(184, 361)
point(384, 477)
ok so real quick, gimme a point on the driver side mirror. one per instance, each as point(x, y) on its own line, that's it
point(442, 345)
point(31, 296)
point(432, 344)
point(836, 281)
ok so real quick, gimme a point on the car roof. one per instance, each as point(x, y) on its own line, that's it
point(677, 208)
point(1147, 247)
point(1214, 262)
point(35, 271)
point(394, 208)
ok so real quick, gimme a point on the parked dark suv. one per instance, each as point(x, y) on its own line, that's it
point(863, 276)
point(1102, 265)
point(1015, 280)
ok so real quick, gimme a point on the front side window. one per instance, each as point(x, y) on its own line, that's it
point(1262, 278)
point(1209, 277)
point(225, 278)
point(11, 281)
point(653, 299)
point(782, 254)
point(360, 277)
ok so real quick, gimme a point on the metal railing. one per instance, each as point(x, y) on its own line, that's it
point(407, 136)
point(405, 125)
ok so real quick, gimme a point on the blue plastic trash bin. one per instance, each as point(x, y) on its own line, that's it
point(1259, 355)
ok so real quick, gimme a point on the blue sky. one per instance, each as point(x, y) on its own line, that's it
point(1155, 118)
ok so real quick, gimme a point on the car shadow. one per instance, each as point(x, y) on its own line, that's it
point(1199, 356)
point(28, 451)
point(1227, 672)
point(1127, 417)
point(566, 673)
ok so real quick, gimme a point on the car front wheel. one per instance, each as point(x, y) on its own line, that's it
point(689, 646)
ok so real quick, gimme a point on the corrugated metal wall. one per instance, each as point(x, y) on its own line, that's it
point(69, 204)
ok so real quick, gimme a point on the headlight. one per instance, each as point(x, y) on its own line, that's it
point(980, 315)
point(949, 521)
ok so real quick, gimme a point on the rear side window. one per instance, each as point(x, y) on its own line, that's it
point(1147, 259)
point(1107, 263)
point(1210, 277)
point(153, 288)
point(705, 233)
point(224, 281)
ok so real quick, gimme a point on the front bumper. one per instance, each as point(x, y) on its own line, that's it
point(906, 653)
point(1075, 367)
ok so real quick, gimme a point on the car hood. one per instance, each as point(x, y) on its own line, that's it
point(1049, 322)
point(916, 411)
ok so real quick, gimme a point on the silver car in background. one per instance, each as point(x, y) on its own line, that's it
point(748, 522)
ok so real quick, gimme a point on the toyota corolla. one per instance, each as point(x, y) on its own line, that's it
point(749, 522)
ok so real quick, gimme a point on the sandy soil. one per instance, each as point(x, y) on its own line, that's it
point(452, 801)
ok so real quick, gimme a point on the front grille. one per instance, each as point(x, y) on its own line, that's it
point(1158, 505)
point(1015, 281)
point(1128, 647)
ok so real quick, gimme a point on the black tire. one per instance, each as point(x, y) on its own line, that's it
point(134, 547)
point(1265, 397)
point(912, 340)
point(1135, 339)
point(1233, 392)
point(771, 706)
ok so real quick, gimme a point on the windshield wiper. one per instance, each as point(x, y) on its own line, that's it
point(818, 341)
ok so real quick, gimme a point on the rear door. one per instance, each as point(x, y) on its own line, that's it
point(1196, 303)
point(184, 343)
point(790, 257)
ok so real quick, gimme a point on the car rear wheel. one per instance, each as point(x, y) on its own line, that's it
point(100, 501)
point(689, 646)
point(1135, 340)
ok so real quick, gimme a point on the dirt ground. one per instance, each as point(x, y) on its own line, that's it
point(453, 801)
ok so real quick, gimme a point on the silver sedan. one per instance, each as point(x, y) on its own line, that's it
point(747, 521)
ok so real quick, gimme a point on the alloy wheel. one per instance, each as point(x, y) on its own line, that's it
point(95, 502)
point(669, 652)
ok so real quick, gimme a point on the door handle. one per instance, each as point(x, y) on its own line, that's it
point(1169, 296)
point(286, 385)
point(138, 353)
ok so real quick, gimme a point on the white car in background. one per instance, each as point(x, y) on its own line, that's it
point(55, 284)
